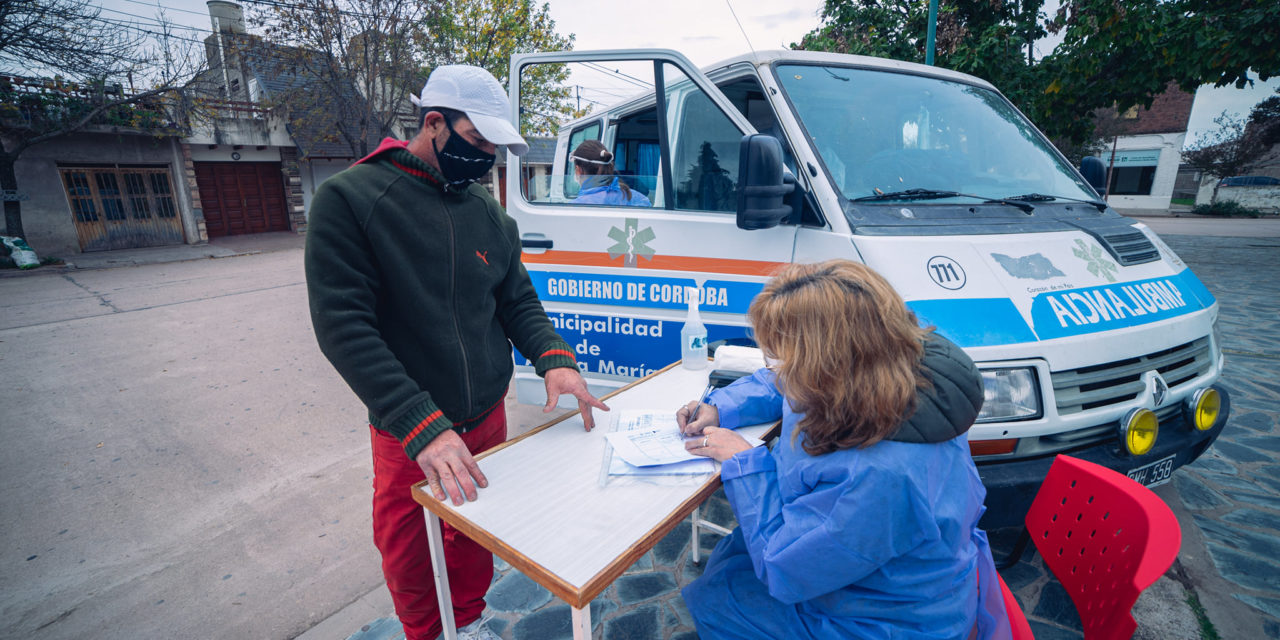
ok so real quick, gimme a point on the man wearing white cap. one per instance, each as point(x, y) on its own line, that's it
point(417, 294)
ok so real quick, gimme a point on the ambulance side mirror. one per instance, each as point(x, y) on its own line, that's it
point(1094, 172)
point(762, 187)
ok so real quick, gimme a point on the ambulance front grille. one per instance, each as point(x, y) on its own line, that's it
point(1116, 382)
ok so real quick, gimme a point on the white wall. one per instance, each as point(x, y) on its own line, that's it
point(1261, 198)
point(46, 213)
point(1170, 146)
point(223, 153)
point(314, 173)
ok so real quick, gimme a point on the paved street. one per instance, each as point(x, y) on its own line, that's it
point(182, 462)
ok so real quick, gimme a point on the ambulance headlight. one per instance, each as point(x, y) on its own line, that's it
point(1138, 431)
point(1009, 394)
point(1205, 405)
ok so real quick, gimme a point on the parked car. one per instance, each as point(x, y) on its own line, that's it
point(1248, 181)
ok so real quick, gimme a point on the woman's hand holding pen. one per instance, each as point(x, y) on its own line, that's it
point(700, 419)
point(696, 416)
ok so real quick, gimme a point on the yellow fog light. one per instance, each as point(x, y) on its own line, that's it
point(1138, 431)
point(1205, 405)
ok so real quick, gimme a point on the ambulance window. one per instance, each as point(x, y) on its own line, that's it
point(704, 147)
point(746, 94)
point(576, 137)
point(636, 151)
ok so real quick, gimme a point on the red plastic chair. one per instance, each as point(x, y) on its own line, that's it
point(1017, 621)
point(1105, 537)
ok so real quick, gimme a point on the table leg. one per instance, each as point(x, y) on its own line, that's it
point(435, 540)
point(696, 547)
point(582, 623)
point(699, 524)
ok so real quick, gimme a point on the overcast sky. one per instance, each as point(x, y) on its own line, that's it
point(703, 30)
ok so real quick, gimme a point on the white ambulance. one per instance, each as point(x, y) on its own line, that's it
point(1093, 337)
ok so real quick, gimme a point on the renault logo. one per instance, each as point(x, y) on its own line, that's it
point(1157, 388)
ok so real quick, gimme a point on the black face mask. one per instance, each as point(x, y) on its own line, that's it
point(460, 161)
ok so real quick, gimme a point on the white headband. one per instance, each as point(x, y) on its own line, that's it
point(582, 159)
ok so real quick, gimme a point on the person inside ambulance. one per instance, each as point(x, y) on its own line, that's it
point(862, 521)
point(598, 179)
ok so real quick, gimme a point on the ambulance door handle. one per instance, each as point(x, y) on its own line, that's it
point(535, 241)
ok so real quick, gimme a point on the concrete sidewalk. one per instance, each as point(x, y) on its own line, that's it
point(216, 248)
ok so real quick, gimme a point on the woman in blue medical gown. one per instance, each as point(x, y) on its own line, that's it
point(862, 521)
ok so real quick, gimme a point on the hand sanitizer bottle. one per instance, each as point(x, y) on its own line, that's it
point(693, 335)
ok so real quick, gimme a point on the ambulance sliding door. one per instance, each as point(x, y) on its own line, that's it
point(612, 254)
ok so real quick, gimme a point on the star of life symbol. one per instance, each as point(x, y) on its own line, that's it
point(1097, 265)
point(631, 242)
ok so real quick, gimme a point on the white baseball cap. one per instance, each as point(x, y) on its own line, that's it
point(475, 92)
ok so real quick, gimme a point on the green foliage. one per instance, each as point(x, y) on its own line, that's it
point(1227, 209)
point(1264, 121)
point(1224, 151)
point(39, 106)
point(343, 69)
point(1112, 54)
point(486, 33)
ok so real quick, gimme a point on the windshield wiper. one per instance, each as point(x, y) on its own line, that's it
point(934, 194)
point(1040, 197)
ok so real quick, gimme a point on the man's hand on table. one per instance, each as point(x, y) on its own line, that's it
point(562, 380)
point(447, 463)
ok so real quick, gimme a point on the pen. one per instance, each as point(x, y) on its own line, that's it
point(694, 414)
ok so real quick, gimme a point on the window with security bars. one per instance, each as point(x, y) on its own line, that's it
point(119, 193)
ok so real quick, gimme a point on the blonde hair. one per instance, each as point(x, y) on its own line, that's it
point(851, 352)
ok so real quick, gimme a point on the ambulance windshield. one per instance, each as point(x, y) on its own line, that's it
point(882, 133)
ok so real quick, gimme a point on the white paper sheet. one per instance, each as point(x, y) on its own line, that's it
point(645, 439)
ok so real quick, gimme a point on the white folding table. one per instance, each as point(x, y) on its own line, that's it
point(547, 512)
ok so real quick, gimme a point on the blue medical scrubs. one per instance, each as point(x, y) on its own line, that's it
point(605, 190)
point(877, 542)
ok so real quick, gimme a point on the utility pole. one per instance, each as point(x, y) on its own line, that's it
point(933, 32)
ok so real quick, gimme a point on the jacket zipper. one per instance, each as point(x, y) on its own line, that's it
point(453, 297)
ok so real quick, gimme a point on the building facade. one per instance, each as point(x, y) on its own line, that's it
point(1143, 151)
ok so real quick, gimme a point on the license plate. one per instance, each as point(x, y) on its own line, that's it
point(1154, 474)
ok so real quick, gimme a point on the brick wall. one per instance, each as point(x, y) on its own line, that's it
point(293, 189)
point(197, 209)
point(1169, 113)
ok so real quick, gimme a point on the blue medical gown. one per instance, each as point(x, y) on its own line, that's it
point(602, 190)
point(880, 542)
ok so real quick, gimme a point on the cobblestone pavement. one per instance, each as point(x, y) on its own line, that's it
point(1232, 493)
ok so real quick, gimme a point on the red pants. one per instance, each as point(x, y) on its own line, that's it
point(400, 533)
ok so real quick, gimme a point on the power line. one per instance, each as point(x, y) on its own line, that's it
point(599, 90)
point(154, 21)
point(163, 6)
point(134, 27)
point(298, 7)
point(632, 79)
point(281, 4)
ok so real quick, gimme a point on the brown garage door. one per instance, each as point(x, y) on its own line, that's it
point(241, 197)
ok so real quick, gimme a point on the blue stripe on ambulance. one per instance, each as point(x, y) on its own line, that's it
point(1059, 314)
point(625, 346)
point(981, 322)
point(974, 322)
point(724, 296)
